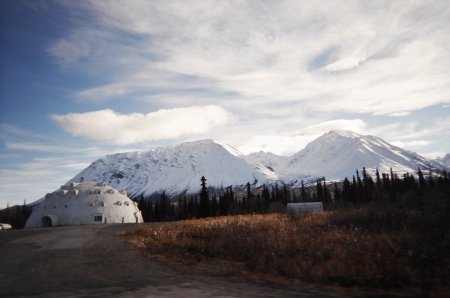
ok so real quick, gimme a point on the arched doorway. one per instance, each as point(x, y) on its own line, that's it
point(46, 221)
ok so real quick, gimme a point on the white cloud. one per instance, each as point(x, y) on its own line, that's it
point(70, 51)
point(394, 55)
point(8, 131)
point(407, 132)
point(417, 143)
point(112, 127)
point(346, 63)
point(278, 144)
point(27, 146)
point(289, 142)
point(356, 125)
point(400, 114)
point(33, 179)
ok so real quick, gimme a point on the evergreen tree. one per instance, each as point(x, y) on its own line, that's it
point(326, 194)
point(303, 193)
point(164, 206)
point(249, 204)
point(346, 191)
point(354, 192)
point(157, 216)
point(214, 207)
point(319, 191)
point(150, 211)
point(368, 186)
point(337, 194)
point(285, 196)
point(204, 199)
point(422, 183)
point(430, 180)
point(359, 189)
point(265, 197)
point(294, 197)
point(378, 179)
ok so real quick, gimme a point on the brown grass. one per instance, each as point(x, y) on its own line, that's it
point(356, 247)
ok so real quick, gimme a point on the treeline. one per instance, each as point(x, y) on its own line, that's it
point(15, 215)
point(217, 203)
point(361, 189)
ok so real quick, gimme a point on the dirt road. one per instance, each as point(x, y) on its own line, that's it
point(93, 261)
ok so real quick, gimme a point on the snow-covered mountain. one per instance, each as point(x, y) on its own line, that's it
point(337, 154)
point(445, 161)
point(271, 161)
point(176, 169)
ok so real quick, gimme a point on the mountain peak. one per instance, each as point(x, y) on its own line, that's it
point(344, 133)
point(176, 169)
point(198, 142)
point(339, 153)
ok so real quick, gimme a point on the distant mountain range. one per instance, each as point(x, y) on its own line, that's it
point(445, 161)
point(337, 154)
point(178, 169)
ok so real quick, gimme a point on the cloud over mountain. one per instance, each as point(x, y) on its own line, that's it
point(112, 127)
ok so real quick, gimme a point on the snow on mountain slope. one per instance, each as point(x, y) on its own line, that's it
point(271, 161)
point(337, 154)
point(176, 169)
point(445, 161)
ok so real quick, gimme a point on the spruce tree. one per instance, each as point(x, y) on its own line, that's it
point(337, 194)
point(303, 193)
point(346, 191)
point(204, 200)
point(319, 191)
point(378, 179)
point(422, 183)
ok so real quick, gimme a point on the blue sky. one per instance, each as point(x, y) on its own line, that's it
point(82, 79)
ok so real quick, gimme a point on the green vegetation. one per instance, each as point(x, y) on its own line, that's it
point(360, 191)
point(15, 215)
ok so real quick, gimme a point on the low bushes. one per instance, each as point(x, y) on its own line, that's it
point(374, 246)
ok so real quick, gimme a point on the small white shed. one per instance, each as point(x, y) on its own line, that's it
point(297, 208)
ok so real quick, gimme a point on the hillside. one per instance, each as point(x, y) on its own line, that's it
point(176, 169)
point(338, 154)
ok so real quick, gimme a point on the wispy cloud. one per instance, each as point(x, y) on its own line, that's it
point(416, 143)
point(346, 63)
point(69, 51)
point(27, 146)
point(112, 127)
point(361, 57)
point(10, 131)
point(408, 132)
point(32, 180)
point(290, 142)
point(356, 125)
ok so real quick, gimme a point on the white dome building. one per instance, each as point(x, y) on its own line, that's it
point(84, 203)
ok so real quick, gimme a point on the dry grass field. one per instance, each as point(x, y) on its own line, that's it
point(374, 247)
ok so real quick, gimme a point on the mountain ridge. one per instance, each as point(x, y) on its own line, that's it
point(175, 169)
point(178, 168)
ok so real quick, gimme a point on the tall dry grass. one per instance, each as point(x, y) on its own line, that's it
point(364, 247)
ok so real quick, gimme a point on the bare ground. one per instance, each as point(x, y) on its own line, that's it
point(93, 261)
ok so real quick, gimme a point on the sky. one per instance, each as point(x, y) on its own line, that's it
point(82, 79)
